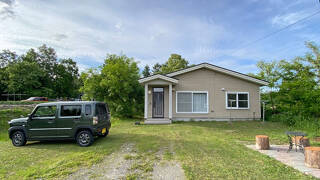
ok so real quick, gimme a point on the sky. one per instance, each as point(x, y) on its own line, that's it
point(212, 31)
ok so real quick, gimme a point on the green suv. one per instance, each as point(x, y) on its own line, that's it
point(78, 120)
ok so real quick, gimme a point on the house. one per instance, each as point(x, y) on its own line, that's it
point(204, 92)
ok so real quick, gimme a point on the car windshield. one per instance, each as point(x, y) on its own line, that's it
point(31, 98)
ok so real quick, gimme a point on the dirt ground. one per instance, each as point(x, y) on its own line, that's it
point(127, 164)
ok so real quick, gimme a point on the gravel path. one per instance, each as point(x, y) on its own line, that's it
point(165, 170)
point(127, 163)
point(114, 166)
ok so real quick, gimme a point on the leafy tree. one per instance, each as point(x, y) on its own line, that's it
point(117, 84)
point(66, 82)
point(7, 57)
point(47, 58)
point(314, 59)
point(30, 56)
point(38, 73)
point(26, 77)
point(156, 69)
point(91, 88)
point(269, 71)
point(174, 63)
point(146, 71)
point(297, 91)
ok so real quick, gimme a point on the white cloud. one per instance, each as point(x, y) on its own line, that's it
point(146, 35)
point(145, 31)
point(6, 9)
point(287, 19)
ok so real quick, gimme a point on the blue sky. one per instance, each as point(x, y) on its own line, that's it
point(211, 31)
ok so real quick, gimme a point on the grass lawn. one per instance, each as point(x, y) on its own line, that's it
point(205, 150)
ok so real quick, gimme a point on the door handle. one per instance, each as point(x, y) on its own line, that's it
point(50, 121)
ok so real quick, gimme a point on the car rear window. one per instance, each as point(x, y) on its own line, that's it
point(70, 110)
point(101, 109)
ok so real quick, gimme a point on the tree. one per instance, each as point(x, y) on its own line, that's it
point(30, 56)
point(156, 69)
point(146, 71)
point(26, 77)
point(313, 58)
point(7, 57)
point(269, 71)
point(174, 63)
point(38, 73)
point(66, 82)
point(297, 91)
point(91, 88)
point(117, 84)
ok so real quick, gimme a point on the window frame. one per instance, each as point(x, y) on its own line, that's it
point(237, 100)
point(60, 110)
point(192, 92)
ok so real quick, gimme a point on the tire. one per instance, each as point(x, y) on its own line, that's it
point(84, 138)
point(105, 134)
point(18, 139)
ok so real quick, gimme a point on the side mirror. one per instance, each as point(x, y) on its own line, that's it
point(29, 116)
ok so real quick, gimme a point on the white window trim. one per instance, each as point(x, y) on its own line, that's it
point(237, 100)
point(192, 102)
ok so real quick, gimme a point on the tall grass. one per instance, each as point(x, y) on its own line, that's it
point(310, 125)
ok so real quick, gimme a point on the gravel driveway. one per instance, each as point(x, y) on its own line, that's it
point(127, 164)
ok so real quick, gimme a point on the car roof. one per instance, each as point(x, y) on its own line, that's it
point(68, 103)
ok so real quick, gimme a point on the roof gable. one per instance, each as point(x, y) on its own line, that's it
point(158, 76)
point(221, 70)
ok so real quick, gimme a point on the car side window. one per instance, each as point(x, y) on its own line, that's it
point(45, 111)
point(70, 110)
point(88, 109)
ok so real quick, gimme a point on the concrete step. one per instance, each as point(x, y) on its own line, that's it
point(157, 121)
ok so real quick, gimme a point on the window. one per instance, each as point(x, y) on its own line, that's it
point(237, 100)
point(45, 111)
point(192, 102)
point(70, 110)
point(157, 89)
point(101, 109)
point(88, 109)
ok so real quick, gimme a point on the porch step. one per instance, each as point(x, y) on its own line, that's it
point(157, 121)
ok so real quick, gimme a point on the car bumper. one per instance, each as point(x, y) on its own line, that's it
point(98, 130)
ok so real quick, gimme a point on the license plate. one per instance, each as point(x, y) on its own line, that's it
point(104, 130)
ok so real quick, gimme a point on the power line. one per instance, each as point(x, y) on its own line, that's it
point(282, 29)
point(275, 32)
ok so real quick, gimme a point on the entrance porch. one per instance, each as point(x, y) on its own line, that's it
point(158, 99)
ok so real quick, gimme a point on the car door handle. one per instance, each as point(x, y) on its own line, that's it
point(50, 121)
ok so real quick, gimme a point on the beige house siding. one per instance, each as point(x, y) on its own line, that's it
point(213, 82)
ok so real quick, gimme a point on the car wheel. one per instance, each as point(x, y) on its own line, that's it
point(105, 134)
point(84, 138)
point(18, 138)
